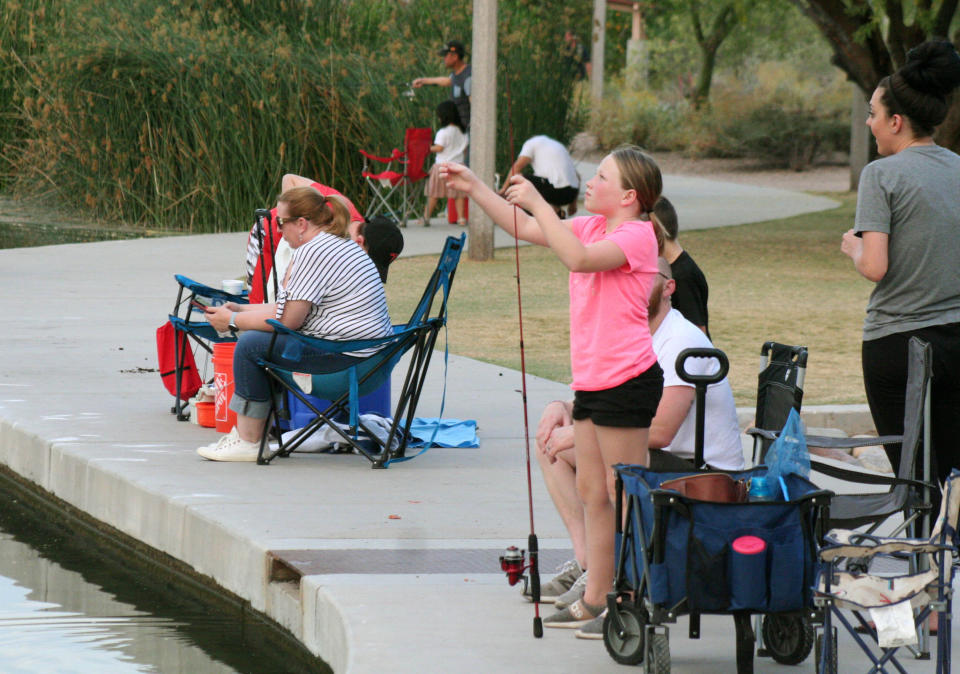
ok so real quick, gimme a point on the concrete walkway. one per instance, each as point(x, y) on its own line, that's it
point(403, 573)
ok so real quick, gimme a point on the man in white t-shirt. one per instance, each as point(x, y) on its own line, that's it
point(672, 432)
point(554, 174)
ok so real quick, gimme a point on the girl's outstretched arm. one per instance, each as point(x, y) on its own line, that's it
point(462, 179)
point(599, 256)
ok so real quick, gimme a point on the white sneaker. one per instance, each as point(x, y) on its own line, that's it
point(230, 447)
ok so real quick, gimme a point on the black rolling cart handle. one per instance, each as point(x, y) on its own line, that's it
point(701, 382)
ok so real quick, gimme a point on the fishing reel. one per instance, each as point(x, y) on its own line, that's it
point(513, 563)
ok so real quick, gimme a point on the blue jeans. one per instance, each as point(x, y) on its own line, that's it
point(251, 396)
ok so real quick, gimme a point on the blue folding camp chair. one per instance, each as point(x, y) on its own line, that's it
point(187, 320)
point(187, 317)
point(345, 387)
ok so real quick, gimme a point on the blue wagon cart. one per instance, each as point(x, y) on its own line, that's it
point(678, 555)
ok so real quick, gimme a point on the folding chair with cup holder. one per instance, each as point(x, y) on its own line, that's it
point(906, 494)
point(187, 317)
point(851, 579)
point(190, 325)
point(343, 388)
point(394, 189)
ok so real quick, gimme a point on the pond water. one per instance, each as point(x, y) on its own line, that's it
point(66, 609)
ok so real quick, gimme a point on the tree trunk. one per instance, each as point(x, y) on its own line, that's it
point(723, 24)
point(701, 92)
point(859, 48)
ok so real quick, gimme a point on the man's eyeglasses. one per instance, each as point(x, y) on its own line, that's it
point(283, 221)
point(669, 278)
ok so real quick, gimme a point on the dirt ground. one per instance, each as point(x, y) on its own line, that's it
point(824, 177)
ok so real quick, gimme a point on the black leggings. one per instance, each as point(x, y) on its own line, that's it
point(885, 380)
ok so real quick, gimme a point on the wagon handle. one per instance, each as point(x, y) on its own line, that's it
point(701, 381)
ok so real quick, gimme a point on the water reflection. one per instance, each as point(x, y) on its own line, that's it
point(65, 610)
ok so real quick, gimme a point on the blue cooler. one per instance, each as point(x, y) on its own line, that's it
point(376, 402)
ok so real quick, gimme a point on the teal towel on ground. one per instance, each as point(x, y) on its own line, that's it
point(449, 432)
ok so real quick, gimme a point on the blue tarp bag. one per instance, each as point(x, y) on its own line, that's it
point(788, 455)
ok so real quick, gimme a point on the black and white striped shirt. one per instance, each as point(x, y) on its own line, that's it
point(342, 283)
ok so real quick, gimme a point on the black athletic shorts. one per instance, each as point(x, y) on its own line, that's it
point(555, 196)
point(632, 404)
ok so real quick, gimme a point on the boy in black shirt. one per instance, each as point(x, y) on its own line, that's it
point(690, 297)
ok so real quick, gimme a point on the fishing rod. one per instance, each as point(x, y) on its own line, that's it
point(512, 560)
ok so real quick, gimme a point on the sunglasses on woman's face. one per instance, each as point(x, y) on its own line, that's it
point(283, 221)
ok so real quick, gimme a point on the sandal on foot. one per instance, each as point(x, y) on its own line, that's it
point(578, 614)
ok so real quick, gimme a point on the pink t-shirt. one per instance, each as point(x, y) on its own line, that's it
point(610, 339)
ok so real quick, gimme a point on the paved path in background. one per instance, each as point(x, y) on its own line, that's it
point(403, 573)
point(701, 203)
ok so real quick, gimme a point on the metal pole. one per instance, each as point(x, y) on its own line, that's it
point(483, 120)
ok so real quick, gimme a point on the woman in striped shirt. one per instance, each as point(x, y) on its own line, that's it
point(331, 290)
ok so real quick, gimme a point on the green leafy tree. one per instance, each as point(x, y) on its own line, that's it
point(870, 40)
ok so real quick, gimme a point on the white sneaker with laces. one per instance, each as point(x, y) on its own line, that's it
point(230, 447)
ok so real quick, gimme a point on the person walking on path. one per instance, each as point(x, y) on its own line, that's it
point(453, 53)
point(905, 239)
point(612, 258)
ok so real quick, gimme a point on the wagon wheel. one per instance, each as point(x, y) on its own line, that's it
point(625, 647)
point(659, 655)
point(831, 667)
point(788, 637)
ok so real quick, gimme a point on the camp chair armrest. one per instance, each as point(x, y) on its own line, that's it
point(396, 155)
point(849, 443)
point(831, 442)
point(866, 478)
point(338, 346)
point(206, 291)
point(763, 433)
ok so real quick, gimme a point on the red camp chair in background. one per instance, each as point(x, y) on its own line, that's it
point(395, 190)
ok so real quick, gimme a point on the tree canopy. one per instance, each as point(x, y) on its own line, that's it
point(870, 40)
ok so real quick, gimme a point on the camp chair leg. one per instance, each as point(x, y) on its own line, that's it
point(180, 340)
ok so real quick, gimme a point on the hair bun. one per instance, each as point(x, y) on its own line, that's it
point(932, 68)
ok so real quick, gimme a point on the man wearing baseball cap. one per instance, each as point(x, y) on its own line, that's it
point(458, 80)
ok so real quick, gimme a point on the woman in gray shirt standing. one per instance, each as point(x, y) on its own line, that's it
point(906, 238)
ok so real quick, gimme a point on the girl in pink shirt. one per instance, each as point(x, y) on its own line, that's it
point(612, 258)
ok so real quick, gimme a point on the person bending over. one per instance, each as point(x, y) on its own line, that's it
point(331, 290)
point(554, 174)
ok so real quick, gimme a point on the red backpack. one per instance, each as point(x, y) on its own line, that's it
point(168, 342)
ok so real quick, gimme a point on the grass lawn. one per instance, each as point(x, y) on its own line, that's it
point(784, 280)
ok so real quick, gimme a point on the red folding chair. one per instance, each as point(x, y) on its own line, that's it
point(395, 190)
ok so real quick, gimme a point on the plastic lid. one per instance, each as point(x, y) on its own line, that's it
point(749, 545)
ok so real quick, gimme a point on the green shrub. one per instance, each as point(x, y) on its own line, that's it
point(782, 114)
point(184, 115)
point(639, 117)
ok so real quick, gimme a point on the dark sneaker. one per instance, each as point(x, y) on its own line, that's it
point(567, 575)
point(574, 593)
point(578, 614)
point(593, 629)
